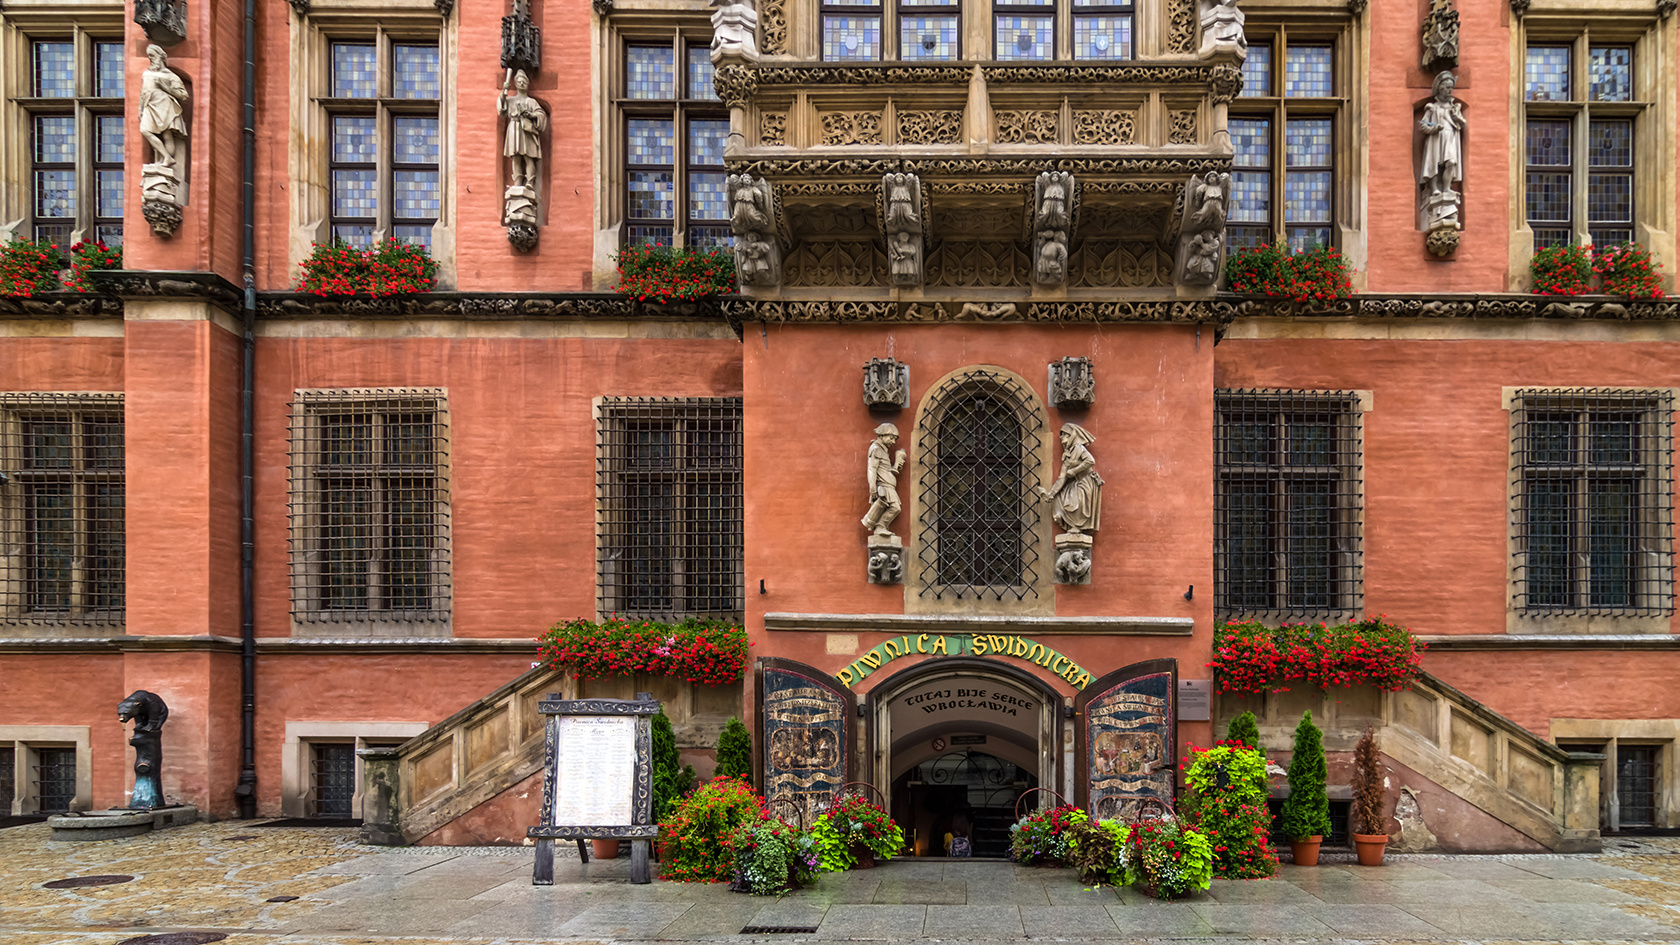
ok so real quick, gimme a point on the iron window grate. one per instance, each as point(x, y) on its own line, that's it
point(1288, 504)
point(62, 509)
point(980, 452)
point(8, 779)
point(669, 508)
point(1592, 502)
point(332, 779)
point(1636, 786)
point(55, 779)
point(369, 506)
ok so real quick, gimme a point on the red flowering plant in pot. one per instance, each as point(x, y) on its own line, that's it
point(855, 832)
point(666, 274)
point(1628, 271)
point(1318, 274)
point(702, 652)
point(1561, 270)
point(28, 267)
point(391, 267)
point(1250, 657)
point(86, 257)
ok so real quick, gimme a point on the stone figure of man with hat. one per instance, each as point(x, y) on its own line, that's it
point(882, 473)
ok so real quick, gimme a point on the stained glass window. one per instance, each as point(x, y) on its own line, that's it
point(354, 70)
point(108, 81)
point(1026, 36)
point(1610, 181)
point(848, 37)
point(652, 73)
point(1306, 72)
point(1102, 37)
point(674, 176)
point(1294, 202)
point(700, 85)
point(55, 70)
point(927, 37)
point(75, 184)
point(1546, 74)
point(1610, 73)
point(1257, 71)
point(414, 72)
point(1577, 189)
point(385, 158)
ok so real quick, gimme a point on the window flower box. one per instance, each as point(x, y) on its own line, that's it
point(392, 267)
point(1250, 657)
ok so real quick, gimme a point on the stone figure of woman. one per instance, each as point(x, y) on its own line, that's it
point(163, 98)
point(1076, 495)
point(526, 121)
point(1443, 145)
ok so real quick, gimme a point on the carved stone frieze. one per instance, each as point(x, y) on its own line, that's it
point(978, 263)
point(886, 383)
point(851, 128)
point(1145, 73)
point(844, 74)
point(977, 167)
point(815, 167)
point(735, 84)
point(1105, 126)
point(165, 21)
point(1026, 126)
point(1073, 385)
point(61, 305)
point(1200, 311)
point(930, 127)
point(1181, 27)
point(1129, 187)
point(839, 263)
point(1440, 36)
point(1120, 263)
point(1224, 82)
point(825, 188)
point(1181, 126)
point(978, 187)
point(772, 27)
point(772, 129)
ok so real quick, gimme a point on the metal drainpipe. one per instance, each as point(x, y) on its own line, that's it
point(246, 791)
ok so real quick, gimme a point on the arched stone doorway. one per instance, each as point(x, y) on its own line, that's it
point(955, 742)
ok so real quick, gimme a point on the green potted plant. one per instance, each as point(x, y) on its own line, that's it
point(855, 832)
point(701, 827)
point(1225, 800)
point(734, 752)
point(1370, 836)
point(1306, 812)
point(1169, 859)
point(1245, 730)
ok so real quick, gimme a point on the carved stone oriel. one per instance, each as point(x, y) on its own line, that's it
point(165, 21)
point(1222, 29)
point(752, 217)
point(1053, 200)
point(1440, 36)
point(1073, 385)
point(904, 224)
point(163, 126)
point(521, 40)
point(734, 30)
point(1201, 241)
point(1442, 165)
point(886, 384)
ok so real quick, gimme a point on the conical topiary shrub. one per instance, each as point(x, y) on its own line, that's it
point(1306, 813)
point(734, 752)
point(671, 778)
point(1246, 730)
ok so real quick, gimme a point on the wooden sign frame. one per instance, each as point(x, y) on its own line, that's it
point(641, 830)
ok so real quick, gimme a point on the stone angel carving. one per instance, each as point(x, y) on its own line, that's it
point(752, 216)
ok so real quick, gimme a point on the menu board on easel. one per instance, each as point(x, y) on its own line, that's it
point(597, 779)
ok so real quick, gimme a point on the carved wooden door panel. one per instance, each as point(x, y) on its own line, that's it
point(1127, 739)
point(807, 731)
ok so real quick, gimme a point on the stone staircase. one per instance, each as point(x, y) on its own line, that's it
point(1433, 732)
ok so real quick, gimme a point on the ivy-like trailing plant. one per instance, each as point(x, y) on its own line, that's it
point(664, 274)
point(1249, 656)
point(1306, 812)
point(1318, 274)
point(703, 652)
point(1169, 859)
point(734, 751)
point(1561, 270)
point(1628, 271)
point(671, 778)
point(1367, 805)
point(1042, 837)
point(1097, 849)
point(700, 829)
point(390, 267)
point(1245, 730)
point(772, 857)
point(1225, 799)
point(29, 267)
point(853, 818)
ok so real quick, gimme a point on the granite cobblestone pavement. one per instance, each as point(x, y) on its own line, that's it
point(286, 886)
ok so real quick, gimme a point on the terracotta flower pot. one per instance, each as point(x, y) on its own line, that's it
point(1306, 849)
point(1370, 848)
point(604, 849)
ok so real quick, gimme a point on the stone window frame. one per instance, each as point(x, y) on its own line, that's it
point(309, 157)
point(924, 591)
point(615, 531)
point(1653, 614)
point(296, 786)
point(682, 35)
point(1350, 407)
point(26, 21)
point(1345, 38)
point(305, 518)
point(82, 620)
point(25, 741)
point(1606, 735)
point(1579, 25)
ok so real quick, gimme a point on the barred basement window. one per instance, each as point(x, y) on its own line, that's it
point(332, 779)
point(61, 509)
point(979, 448)
point(55, 779)
point(8, 779)
point(1592, 502)
point(369, 529)
point(1288, 504)
point(669, 512)
point(1638, 778)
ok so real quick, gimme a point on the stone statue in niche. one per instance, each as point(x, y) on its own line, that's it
point(1222, 29)
point(1201, 241)
point(752, 218)
point(148, 713)
point(1208, 196)
point(886, 550)
point(522, 146)
point(1075, 505)
point(163, 125)
point(1443, 160)
point(734, 29)
point(1201, 267)
point(902, 224)
point(1052, 221)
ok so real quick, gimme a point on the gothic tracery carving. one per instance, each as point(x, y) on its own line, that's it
point(1181, 26)
point(1026, 126)
point(1105, 126)
point(929, 127)
point(772, 25)
point(851, 128)
point(1181, 126)
point(772, 129)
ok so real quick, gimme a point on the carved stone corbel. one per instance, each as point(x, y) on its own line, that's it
point(1357, 7)
point(444, 7)
point(752, 217)
point(734, 30)
point(165, 21)
point(904, 225)
point(521, 40)
point(1201, 229)
point(1073, 385)
point(1053, 203)
point(886, 384)
point(735, 84)
point(1665, 8)
point(1519, 7)
point(1440, 36)
point(300, 7)
point(1225, 83)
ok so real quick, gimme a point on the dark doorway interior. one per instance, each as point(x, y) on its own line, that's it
point(962, 794)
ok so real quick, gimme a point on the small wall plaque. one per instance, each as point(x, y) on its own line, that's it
point(886, 384)
point(1195, 700)
point(1073, 385)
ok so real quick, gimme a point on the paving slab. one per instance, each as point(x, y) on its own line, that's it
point(1374, 921)
point(1255, 921)
point(1576, 868)
point(1071, 894)
point(1162, 920)
point(709, 920)
point(873, 922)
point(391, 916)
point(626, 919)
point(1486, 869)
point(973, 920)
point(786, 912)
point(1480, 922)
point(922, 892)
point(1536, 889)
point(1268, 891)
point(1008, 893)
point(1577, 920)
point(1085, 921)
point(1453, 892)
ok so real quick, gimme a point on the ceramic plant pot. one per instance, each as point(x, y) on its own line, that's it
point(604, 849)
point(1306, 849)
point(1370, 848)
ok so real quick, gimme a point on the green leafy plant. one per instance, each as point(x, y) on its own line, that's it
point(390, 267)
point(28, 267)
point(1306, 812)
point(772, 857)
point(704, 652)
point(734, 751)
point(854, 819)
point(1097, 849)
point(1628, 271)
point(1245, 730)
point(664, 274)
point(1318, 274)
point(1169, 859)
point(1225, 799)
point(1561, 270)
point(1367, 809)
point(1042, 836)
point(700, 828)
point(1249, 656)
point(671, 778)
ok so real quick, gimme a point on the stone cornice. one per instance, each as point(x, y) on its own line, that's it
point(953, 623)
point(62, 305)
point(933, 168)
point(947, 73)
point(1546, 641)
point(850, 74)
point(484, 306)
point(1205, 311)
point(1483, 305)
point(145, 643)
point(1136, 73)
point(159, 285)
